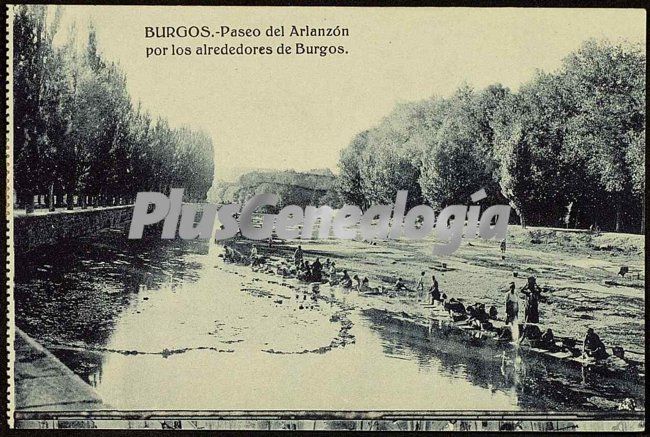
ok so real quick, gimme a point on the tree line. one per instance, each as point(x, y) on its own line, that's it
point(79, 136)
point(566, 149)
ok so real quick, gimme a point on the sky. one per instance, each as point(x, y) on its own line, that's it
point(288, 111)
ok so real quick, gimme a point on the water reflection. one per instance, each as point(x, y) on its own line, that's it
point(166, 325)
point(75, 291)
point(537, 382)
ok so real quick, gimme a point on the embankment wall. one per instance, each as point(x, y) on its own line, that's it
point(32, 231)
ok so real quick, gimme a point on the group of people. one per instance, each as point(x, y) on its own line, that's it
point(231, 254)
point(476, 315)
point(316, 271)
point(532, 293)
point(434, 289)
point(592, 347)
point(296, 266)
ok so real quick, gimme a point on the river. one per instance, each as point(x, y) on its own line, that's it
point(167, 325)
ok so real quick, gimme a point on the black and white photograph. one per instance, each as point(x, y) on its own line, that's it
point(326, 218)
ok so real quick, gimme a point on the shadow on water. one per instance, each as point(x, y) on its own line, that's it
point(74, 291)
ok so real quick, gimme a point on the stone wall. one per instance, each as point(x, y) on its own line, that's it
point(31, 231)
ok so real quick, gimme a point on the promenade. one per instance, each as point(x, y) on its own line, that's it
point(43, 383)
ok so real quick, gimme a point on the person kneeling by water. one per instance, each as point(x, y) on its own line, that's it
point(593, 346)
point(357, 279)
point(304, 271)
point(227, 254)
point(478, 317)
point(400, 286)
point(316, 271)
point(364, 286)
point(346, 281)
point(456, 309)
point(548, 341)
point(282, 269)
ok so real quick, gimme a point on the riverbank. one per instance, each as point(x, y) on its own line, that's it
point(43, 383)
point(45, 227)
point(578, 272)
point(165, 324)
point(540, 379)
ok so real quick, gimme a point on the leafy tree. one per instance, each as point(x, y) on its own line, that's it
point(458, 159)
point(607, 80)
point(391, 160)
point(34, 98)
point(635, 158)
point(77, 132)
point(536, 167)
point(349, 179)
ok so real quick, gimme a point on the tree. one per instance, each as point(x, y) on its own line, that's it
point(77, 132)
point(635, 157)
point(607, 80)
point(458, 158)
point(572, 140)
point(36, 70)
point(349, 179)
point(537, 168)
point(391, 160)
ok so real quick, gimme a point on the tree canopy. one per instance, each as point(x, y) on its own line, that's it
point(77, 131)
point(566, 149)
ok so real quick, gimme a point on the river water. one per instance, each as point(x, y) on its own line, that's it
point(167, 325)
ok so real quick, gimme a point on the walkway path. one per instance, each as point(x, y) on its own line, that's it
point(63, 210)
point(43, 383)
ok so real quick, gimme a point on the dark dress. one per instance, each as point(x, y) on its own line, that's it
point(316, 271)
point(594, 346)
point(435, 292)
point(531, 310)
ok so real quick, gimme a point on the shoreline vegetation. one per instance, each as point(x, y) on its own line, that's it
point(566, 150)
point(80, 139)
